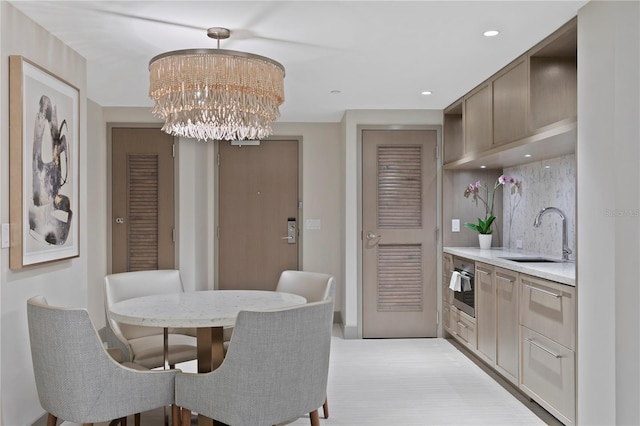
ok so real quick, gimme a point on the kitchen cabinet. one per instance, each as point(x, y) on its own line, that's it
point(510, 99)
point(507, 324)
point(548, 308)
point(464, 328)
point(477, 120)
point(485, 312)
point(447, 294)
point(524, 329)
point(547, 345)
point(528, 107)
point(453, 133)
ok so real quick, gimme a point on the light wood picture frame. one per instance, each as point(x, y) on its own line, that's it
point(44, 123)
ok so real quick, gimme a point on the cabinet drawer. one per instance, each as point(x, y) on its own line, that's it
point(549, 309)
point(548, 374)
point(465, 329)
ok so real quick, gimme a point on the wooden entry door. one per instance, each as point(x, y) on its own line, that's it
point(142, 190)
point(258, 197)
point(399, 287)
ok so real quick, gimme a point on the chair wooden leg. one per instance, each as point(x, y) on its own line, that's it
point(325, 408)
point(315, 419)
point(51, 420)
point(136, 419)
point(123, 421)
point(175, 415)
point(186, 417)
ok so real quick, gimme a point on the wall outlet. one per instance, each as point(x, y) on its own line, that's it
point(455, 225)
point(518, 244)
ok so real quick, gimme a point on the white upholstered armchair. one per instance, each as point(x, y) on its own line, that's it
point(145, 345)
point(77, 380)
point(275, 369)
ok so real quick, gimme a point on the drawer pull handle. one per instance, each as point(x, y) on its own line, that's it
point(461, 325)
point(538, 345)
point(548, 293)
point(482, 272)
point(505, 279)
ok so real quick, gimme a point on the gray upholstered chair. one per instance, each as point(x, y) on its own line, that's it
point(314, 287)
point(275, 369)
point(145, 345)
point(78, 381)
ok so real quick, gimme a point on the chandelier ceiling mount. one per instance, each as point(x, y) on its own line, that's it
point(216, 94)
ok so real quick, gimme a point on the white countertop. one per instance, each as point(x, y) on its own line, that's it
point(562, 272)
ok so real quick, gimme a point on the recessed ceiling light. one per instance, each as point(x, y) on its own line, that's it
point(426, 92)
point(483, 167)
point(491, 33)
point(335, 92)
point(527, 155)
point(547, 167)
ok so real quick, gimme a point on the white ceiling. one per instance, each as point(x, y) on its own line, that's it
point(379, 54)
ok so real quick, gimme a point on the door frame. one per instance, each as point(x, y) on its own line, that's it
point(216, 213)
point(438, 129)
point(141, 125)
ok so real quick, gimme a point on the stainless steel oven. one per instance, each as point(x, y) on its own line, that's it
point(465, 298)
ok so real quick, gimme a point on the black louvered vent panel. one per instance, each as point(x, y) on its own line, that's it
point(143, 212)
point(399, 278)
point(399, 186)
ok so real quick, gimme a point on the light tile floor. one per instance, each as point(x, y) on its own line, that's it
point(410, 382)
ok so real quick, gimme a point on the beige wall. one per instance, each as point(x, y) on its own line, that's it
point(63, 282)
point(608, 245)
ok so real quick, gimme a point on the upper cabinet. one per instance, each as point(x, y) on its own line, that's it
point(528, 107)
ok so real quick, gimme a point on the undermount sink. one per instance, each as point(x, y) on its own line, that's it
point(524, 259)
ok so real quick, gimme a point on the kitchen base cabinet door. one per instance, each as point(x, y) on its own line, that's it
point(507, 328)
point(548, 375)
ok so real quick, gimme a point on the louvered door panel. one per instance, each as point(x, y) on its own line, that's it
point(400, 278)
point(143, 212)
point(399, 187)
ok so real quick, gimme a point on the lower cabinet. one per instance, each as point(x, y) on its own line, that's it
point(464, 328)
point(548, 375)
point(485, 312)
point(548, 337)
point(524, 329)
point(507, 325)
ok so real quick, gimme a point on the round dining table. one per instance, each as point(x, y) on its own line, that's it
point(206, 311)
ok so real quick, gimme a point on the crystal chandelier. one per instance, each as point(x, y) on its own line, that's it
point(216, 94)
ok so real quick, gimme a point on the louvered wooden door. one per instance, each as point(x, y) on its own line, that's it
point(399, 287)
point(142, 199)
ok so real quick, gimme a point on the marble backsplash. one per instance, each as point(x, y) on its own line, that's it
point(548, 183)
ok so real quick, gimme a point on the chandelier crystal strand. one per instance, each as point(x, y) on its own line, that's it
point(216, 94)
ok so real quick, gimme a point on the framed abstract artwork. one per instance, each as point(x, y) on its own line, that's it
point(44, 122)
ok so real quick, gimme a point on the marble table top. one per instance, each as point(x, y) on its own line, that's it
point(217, 308)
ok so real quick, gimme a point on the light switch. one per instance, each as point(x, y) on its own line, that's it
point(455, 225)
point(313, 224)
point(5, 235)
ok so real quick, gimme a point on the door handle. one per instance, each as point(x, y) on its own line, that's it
point(371, 235)
point(291, 231)
point(119, 220)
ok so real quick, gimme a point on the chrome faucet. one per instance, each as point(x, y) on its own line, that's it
point(566, 251)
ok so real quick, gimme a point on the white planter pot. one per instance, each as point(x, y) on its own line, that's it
point(485, 241)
